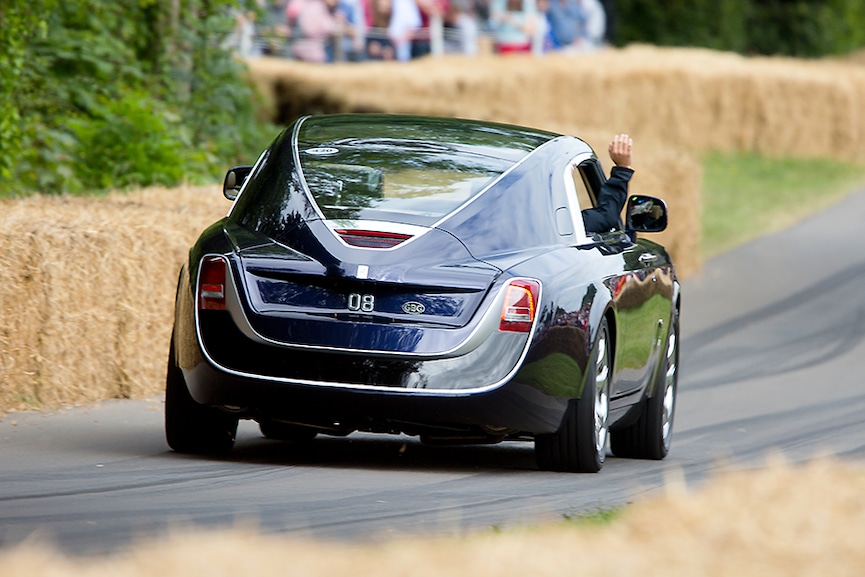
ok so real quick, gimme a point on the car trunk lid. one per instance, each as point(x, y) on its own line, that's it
point(371, 300)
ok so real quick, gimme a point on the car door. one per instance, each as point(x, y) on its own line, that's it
point(636, 278)
point(641, 305)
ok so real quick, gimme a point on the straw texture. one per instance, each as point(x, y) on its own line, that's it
point(87, 292)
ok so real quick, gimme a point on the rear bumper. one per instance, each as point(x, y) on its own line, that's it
point(491, 363)
point(511, 406)
point(224, 367)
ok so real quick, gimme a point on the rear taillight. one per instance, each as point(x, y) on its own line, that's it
point(520, 306)
point(211, 284)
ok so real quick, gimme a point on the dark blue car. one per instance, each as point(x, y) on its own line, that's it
point(432, 277)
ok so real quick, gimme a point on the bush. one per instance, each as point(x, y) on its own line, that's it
point(719, 24)
point(116, 93)
point(134, 141)
point(790, 27)
point(18, 26)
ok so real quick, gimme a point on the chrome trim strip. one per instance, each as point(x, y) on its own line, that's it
point(572, 196)
point(378, 226)
point(295, 153)
point(234, 302)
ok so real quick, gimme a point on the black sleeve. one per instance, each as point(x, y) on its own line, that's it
point(611, 201)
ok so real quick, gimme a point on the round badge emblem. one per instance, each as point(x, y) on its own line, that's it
point(413, 308)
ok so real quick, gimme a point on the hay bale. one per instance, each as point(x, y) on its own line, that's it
point(86, 286)
point(689, 99)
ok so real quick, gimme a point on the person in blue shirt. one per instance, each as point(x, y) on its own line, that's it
point(576, 25)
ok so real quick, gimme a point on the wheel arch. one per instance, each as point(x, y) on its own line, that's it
point(675, 310)
point(602, 309)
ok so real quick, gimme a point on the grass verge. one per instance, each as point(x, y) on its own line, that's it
point(748, 195)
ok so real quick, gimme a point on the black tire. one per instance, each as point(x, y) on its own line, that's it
point(580, 444)
point(285, 432)
point(189, 426)
point(651, 435)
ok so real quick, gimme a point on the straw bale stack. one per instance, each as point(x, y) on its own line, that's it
point(688, 99)
point(87, 292)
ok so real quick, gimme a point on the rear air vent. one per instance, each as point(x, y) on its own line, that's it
point(372, 238)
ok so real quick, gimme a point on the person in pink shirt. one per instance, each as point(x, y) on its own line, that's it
point(312, 26)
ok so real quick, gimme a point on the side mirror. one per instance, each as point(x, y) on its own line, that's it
point(645, 214)
point(234, 180)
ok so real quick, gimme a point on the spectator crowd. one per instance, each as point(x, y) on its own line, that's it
point(357, 30)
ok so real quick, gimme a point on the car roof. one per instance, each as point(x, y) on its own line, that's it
point(504, 140)
point(493, 186)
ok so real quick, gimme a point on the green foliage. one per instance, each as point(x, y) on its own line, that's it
point(599, 517)
point(19, 24)
point(791, 27)
point(708, 23)
point(133, 141)
point(45, 163)
point(118, 93)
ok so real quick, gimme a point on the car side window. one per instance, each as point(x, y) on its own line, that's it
point(586, 200)
point(584, 178)
point(593, 177)
point(590, 174)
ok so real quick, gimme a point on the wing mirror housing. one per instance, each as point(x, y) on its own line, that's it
point(234, 180)
point(645, 214)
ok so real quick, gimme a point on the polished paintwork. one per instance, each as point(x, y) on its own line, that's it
point(439, 375)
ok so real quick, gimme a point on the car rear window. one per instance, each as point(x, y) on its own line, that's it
point(380, 180)
point(400, 169)
point(394, 169)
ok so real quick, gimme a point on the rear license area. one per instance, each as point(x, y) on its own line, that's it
point(354, 299)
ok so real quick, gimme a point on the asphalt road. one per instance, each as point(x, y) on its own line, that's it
point(772, 362)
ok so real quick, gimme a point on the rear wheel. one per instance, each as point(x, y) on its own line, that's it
point(189, 426)
point(650, 436)
point(580, 444)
